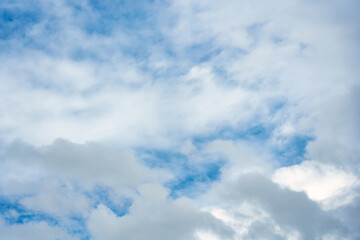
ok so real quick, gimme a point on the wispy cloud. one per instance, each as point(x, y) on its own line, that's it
point(179, 119)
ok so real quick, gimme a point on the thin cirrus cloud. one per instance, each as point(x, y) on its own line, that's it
point(179, 120)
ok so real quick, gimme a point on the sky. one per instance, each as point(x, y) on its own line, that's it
point(179, 119)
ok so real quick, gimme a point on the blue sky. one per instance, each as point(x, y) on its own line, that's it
point(179, 119)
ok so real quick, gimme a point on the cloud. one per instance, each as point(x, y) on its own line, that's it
point(64, 181)
point(255, 85)
point(323, 183)
point(154, 216)
point(32, 231)
point(337, 130)
point(349, 214)
point(89, 164)
point(58, 204)
point(241, 157)
point(289, 210)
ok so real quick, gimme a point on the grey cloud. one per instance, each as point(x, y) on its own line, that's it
point(153, 216)
point(338, 132)
point(350, 215)
point(292, 210)
point(52, 179)
point(138, 102)
point(89, 163)
point(262, 230)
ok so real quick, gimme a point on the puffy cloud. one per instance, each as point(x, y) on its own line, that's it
point(62, 180)
point(349, 214)
point(89, 164)
point(324, 183)
point(288, 210)
point(154, 216)
point(122, 74)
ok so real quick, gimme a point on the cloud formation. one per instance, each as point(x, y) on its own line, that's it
point(179, 119)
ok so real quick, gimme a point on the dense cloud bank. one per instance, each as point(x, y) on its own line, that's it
point(179, 120)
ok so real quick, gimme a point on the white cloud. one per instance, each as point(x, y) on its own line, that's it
point(324, 183)
point(110, 96)
point(284, 212)
point(195, 68)
point(241, 157)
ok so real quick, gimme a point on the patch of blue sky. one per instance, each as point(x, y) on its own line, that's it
point(256, 133)
point(161, 158)
point(102, 195)
point(196, 181)
point(192, 177)
point(132, 18)
point(293, 151)
point(76, 226)
point(15, 20)
point(118, 14)
point(136, 21)
point(14, 213)
point(131, 23)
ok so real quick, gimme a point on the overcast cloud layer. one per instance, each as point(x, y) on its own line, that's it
point(204, 120)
